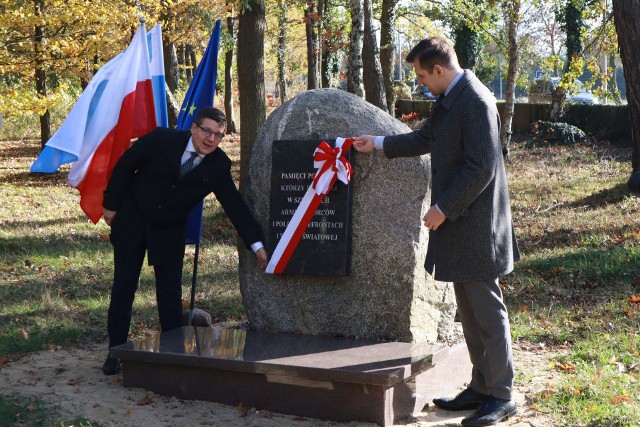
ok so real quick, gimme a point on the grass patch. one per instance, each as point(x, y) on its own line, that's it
point(576, 284)
point(20, 411)
point(591, 394)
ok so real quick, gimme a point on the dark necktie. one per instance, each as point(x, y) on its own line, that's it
point(188, 165)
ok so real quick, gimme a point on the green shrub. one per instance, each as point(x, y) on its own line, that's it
point(557, 133)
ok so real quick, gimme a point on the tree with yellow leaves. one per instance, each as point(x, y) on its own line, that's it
point(50, 49)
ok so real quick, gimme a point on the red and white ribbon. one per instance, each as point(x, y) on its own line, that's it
point(331, 165)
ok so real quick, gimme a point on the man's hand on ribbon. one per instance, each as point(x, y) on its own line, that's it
point(364, 143)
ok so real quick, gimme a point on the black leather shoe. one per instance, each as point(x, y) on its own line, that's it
point(492, 411)
point(467, 399)
point(111, 366)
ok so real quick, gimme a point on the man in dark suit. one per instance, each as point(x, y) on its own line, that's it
point(471, 238)
point(153, 187)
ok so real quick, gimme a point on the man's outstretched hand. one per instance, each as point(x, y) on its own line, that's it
point(364, 143)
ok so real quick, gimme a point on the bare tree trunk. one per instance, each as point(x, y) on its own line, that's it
point(170, 57)
point(626, 16)
point(253, 110)
point(184, 59)
point(40, 73)
point(229, 110)
point(91, 67)
point(312, 43)
point(371, 71)
point(557, 103)
point(613, 82)
point(325, 45)
point(173, 108)
point(181, 57)
point(193, 63)
point(282, 46)
point(171, 69)
point(318, 43)
point(85, 79)
point(387, 49)
point(320, 30)
point(513, 18)
point(354, 80)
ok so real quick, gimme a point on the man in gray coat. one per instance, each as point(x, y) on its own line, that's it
point(471, 238)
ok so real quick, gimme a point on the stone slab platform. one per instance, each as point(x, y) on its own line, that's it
point(319, 377)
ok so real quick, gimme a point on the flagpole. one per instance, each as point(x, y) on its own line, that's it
point(194, 279)
point(200, 94)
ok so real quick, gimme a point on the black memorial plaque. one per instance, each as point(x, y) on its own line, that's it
point(325, 247)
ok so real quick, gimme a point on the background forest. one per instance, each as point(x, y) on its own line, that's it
point(50, 49)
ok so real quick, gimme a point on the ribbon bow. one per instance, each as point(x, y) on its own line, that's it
point(331, 164)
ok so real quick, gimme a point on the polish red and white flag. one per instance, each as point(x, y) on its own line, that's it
point(116, 107)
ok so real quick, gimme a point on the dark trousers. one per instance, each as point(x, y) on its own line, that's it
point(485, 324)
point(126, 276)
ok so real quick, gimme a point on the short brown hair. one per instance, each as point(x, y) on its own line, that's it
point(432, 51)
point(211, 113)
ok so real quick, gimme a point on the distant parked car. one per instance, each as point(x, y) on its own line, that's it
point(422, 92)
point(583, 97)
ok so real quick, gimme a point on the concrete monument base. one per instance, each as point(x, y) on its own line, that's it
point(335, 379)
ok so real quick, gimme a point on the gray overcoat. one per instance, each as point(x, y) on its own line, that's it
point(469, 184)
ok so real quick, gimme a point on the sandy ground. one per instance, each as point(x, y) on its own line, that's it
point(70, 382)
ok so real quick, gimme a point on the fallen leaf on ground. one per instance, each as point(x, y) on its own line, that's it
point(242, 409)
point(565, 367)
point(147, 400)
point(620, 398)
point(546, 393)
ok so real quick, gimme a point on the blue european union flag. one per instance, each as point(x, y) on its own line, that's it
point(200, 94)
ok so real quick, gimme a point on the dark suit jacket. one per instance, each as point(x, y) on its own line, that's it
point(152, 201)
point(469, 184)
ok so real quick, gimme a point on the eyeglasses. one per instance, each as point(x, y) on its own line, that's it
point(208, 132)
